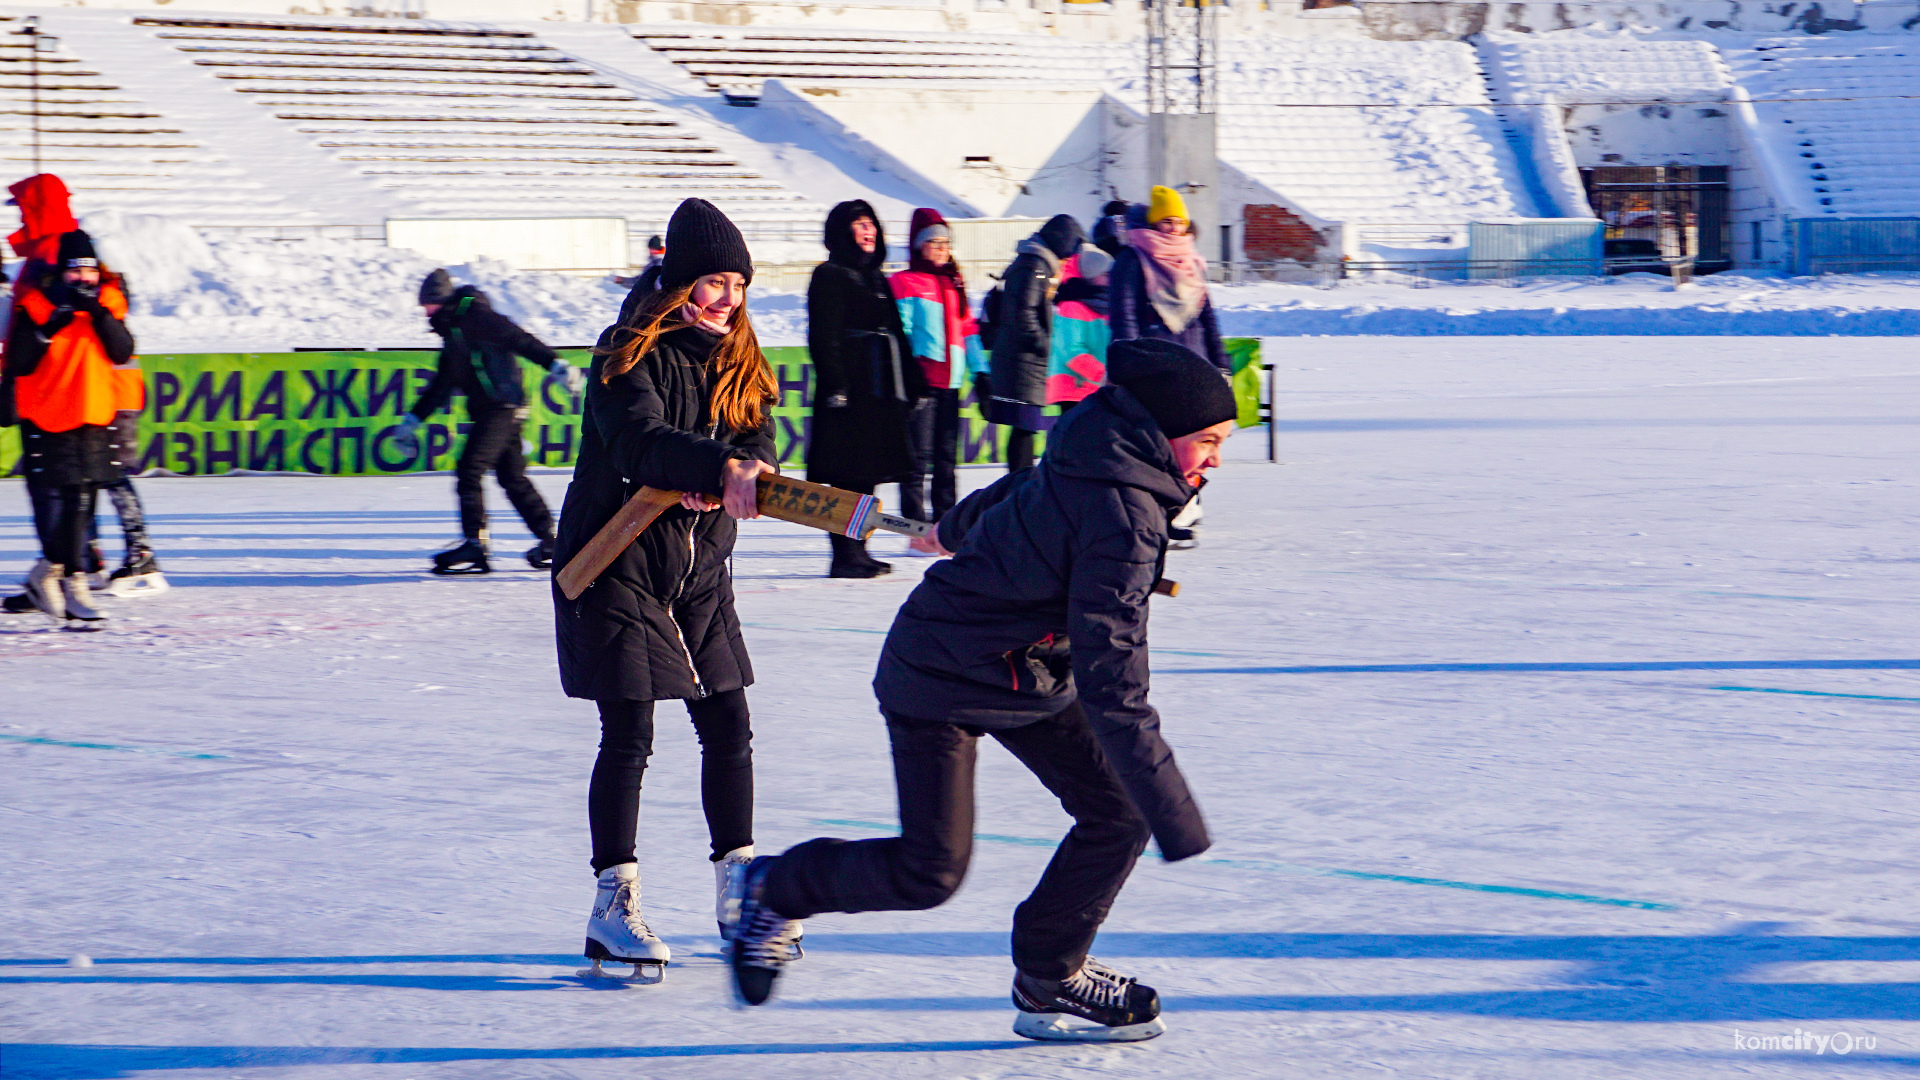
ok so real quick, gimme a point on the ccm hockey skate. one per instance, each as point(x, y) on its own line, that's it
point(1119, 1009)
point(764, 941)
point(139, 577)
point(470, 557)
point(729, 881)
point(619, 932)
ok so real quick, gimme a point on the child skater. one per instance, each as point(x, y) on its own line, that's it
point(678, 399)
point(1034, 633)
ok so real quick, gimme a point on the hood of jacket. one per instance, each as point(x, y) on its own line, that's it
point(1062, 235)
point(443, 319)
point(45, 215)
point(1111, 437)
point(838, 236)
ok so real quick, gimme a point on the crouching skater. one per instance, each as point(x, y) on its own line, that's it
point(1034, 633)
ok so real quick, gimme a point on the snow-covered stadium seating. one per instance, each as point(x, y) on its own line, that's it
point(112, 147)
point(736, 62)
point(1414, 153)
point(1840, 115)
point(1601, 68)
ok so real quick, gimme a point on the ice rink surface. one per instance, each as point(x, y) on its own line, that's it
point(1552, 703)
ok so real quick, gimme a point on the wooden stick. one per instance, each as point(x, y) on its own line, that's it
point(629, 521)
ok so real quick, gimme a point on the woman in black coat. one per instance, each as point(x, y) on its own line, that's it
point(865, 382)
point(678, 399)
point(1017, 371)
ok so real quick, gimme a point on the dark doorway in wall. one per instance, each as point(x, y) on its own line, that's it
point(1683, 209)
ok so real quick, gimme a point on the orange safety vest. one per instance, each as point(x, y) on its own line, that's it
point(75, 383)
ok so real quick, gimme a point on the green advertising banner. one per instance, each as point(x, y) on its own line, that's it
point(335, 413)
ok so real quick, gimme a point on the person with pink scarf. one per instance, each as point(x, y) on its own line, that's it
point(1160, 282)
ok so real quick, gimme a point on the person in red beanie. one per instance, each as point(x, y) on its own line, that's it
point(932, 298)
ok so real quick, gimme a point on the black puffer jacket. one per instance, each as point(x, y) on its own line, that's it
point(864, 378)
point(659, 623)
point(477, 356)
point(1024, 325)
point(1046, 600)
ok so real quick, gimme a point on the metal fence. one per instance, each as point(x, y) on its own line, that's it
point(1855, 245)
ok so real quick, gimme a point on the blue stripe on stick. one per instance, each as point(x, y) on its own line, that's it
point(1316, 871)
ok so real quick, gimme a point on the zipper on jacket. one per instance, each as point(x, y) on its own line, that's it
point(699, 687)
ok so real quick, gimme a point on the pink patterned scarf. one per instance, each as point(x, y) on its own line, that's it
point(1176, 275)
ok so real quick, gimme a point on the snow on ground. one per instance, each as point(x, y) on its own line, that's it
point(1551, 703)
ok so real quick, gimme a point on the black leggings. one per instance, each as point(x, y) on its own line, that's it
point(493, 442)
point(63, 517)
point(726, 774)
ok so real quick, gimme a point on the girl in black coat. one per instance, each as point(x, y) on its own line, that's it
point(678, 399)
point(865, 382)
point(1024, 336)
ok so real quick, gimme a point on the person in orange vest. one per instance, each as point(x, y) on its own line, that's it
point(66, 348)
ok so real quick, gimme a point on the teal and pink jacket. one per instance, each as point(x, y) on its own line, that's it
point(1077, 355)
point(940, 328)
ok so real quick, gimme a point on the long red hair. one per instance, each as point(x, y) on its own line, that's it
point(745, 390)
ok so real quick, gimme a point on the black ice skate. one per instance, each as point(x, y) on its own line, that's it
point(469, 558)
point(139, 577)
point(763, 939)
point(540, 555)
point(20, 604)
point(1120, 1009)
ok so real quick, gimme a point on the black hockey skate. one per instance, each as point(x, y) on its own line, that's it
point(19, 604)
point(139, 577)
point(1119, 1008)
point(763, 939)
point(540, 555)
point(469, 558)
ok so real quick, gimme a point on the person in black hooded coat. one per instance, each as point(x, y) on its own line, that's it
point(659, 622)
point(865, 381)
point(1017, 370)
point(1035, 633)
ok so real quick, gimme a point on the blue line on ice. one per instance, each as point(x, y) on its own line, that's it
point(37, 741)
point(1813, 693)
point(1623, 665)
point(1290, 868)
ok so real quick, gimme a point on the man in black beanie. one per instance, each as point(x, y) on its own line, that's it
point(477, 358)
point(1034, 633)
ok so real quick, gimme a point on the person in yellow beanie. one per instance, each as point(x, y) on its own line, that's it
point(1164, 203)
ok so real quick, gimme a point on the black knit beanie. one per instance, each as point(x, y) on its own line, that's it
point(437, 288)
point(1183, 392)
point(701, 241)
point(76, 250)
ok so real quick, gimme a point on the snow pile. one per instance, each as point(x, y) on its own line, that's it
point(1579, 66)
point(1636, 304)
point(197, 295)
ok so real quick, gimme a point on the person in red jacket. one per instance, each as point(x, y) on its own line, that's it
point(67, 338)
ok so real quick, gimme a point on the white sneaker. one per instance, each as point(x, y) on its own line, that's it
point(618, 930)
point(79, 599)
point(729, 885)
point(43, 589)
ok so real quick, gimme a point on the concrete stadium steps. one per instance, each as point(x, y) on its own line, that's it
point(489, 121)
point(737, 63)
point(1364, 131)
point(110, 147)
point(1841, 116)
point(1601, 69)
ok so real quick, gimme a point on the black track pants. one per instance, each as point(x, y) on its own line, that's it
point(924, 865)
point(934, 428)
point(133, 519)
point(726, 774)
point(493, 442)
point(63, 518)
point(1019, 450)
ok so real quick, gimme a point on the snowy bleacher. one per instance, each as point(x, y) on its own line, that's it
point(1840, 115)
point(112, 148)
point(474, 121)
point(1426, 147)
point(1597, 69)
point(736, 62)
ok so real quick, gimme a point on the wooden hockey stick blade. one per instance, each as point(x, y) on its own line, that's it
point(1166, 588)
point(628, 522)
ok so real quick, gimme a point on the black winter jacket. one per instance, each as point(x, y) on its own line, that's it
point(865, 380)
point(659, 623)
point(1045, 600)
point(1017, 370)
point(477, 356)
point(1131, 315)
